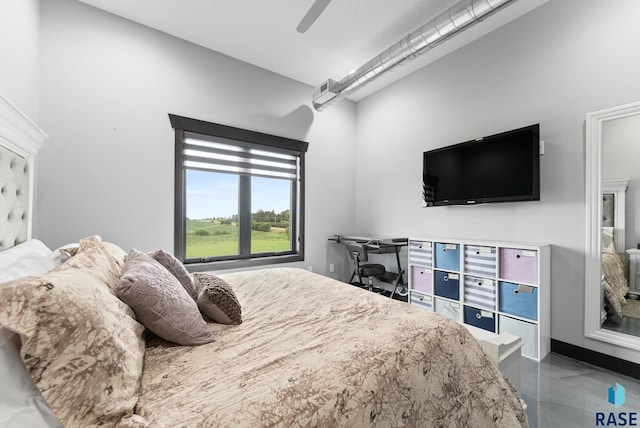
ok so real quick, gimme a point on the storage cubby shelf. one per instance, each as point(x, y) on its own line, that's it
point(501, 287)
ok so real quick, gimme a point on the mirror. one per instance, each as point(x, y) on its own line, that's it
point(596, 125)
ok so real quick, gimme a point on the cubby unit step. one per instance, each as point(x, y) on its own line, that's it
point(503, 349)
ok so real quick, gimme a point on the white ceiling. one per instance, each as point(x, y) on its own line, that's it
point(347, 34)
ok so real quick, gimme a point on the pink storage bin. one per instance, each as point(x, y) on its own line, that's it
point(422, 280)
point(519, 265)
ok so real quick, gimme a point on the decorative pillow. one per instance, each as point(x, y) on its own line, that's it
point(177, 269)
point(216, 299)
point(160, 302)
point(81, 344)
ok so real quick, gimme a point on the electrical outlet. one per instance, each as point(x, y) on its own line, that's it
point(310, 268)
point(332, 267)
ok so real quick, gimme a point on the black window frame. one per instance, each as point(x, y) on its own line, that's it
point(183, 126)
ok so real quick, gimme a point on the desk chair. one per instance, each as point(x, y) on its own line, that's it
point(358, 253)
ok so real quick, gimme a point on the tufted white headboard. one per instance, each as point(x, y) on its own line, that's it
point(15, 198)
point(20, 140)
point(614, 196)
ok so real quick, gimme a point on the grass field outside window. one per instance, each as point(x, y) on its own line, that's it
point(222, 239)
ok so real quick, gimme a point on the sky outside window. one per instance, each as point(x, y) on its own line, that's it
point(214, 194)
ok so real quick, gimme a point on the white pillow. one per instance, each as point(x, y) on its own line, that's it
point(21, 404)
point(32, 257)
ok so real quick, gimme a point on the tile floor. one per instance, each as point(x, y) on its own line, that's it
point(561, 392)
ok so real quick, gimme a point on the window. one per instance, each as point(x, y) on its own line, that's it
point(239, 196)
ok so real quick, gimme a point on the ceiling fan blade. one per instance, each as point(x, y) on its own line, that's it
point(312, 14)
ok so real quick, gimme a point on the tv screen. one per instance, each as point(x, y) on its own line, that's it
point(503, 167)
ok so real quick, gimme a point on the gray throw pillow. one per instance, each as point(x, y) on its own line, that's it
point(216, 299)
point(160, 302)
point(177, 269)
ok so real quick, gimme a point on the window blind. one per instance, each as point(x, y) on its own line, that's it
point(239, 157)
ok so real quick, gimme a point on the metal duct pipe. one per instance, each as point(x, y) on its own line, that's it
point(449, 23)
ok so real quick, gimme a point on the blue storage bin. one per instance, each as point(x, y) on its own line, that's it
point(447, 284)
point(517, 299)
point(485, 320)
point(447, 256)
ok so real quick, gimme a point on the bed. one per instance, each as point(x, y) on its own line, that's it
point(82, 345)
point(615, 282)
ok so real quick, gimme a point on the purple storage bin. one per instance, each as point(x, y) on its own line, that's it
point(519, 265)
point(422, 279)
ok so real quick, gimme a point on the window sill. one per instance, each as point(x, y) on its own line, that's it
point(237, 264)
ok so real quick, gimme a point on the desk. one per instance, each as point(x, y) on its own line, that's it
point(380, 245)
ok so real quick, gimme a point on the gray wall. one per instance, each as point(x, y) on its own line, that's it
point(552, 66)
point(107, 86)
point(19, 52)
point(19, 62)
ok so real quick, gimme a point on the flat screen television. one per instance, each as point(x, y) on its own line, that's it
point(504, 167)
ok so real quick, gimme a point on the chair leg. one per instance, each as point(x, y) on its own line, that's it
point(356, 275)
point(395, 284)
